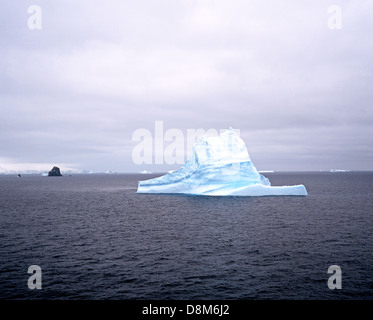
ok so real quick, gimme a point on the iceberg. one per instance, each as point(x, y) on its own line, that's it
point(145, 172)
point(219, 166)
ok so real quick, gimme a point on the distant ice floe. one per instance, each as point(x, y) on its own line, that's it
point(145, 172)
point(220, 166)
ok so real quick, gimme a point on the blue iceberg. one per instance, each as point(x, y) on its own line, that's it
point(220, 166)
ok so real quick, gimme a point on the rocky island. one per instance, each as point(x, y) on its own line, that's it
point(55, 172)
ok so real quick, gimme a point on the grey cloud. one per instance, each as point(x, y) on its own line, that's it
point(299, 92)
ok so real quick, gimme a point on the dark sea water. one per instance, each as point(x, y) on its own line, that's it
point(95, 238)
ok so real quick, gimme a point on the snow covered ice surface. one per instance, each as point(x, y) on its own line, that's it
point(220, 166)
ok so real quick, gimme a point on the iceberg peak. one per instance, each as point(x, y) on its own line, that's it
point(219, 166)
point(226, 148)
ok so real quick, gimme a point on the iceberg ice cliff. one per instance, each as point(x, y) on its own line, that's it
point(220, 166)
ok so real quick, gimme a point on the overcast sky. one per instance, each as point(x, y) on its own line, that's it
point(74, 91)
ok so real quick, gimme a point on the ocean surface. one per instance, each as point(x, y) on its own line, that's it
point(95, 238)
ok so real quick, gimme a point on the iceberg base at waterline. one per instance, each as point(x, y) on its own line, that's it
point(220, 166)
point(250, 190)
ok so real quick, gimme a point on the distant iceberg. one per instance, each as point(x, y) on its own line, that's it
point(220, 166)
point(145, 172)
